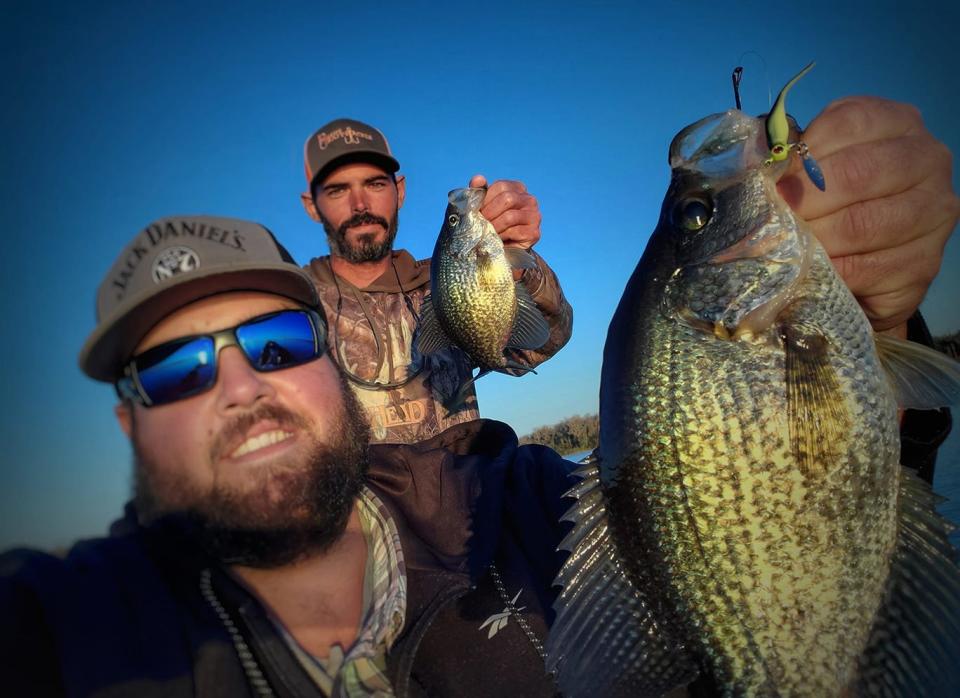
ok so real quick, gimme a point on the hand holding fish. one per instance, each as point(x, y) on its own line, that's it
point(512, 210)
point(889, 206)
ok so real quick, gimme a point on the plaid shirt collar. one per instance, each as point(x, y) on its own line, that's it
point(362, 671)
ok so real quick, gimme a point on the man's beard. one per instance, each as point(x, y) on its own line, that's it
point(292, 511)
point(366, 248)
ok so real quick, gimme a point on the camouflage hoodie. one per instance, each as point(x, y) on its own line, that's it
point(372, 337)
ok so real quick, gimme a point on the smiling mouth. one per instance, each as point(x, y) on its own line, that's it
point(255, 443)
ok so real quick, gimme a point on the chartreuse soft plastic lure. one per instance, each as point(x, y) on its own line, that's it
point(778, 135)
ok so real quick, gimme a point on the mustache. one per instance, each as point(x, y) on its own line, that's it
point(239, 425)
point(364, 218)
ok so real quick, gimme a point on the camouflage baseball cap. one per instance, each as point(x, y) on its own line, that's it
point(343, 141)
point(173, 262)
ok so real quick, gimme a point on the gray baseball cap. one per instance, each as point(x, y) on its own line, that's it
point(173, 262)
point(342, 141)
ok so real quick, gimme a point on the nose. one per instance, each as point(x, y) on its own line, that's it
point(358, 199)
point(239, 386)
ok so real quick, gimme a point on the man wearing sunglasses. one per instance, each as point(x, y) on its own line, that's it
point(373, 293)
point(265, 552)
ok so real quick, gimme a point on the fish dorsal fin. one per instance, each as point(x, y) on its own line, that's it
point(817, 415)
point(922, 378)
point(530, 329)
point(432, 338)
point(914, 645)
point(602, 620)
point(519, 258)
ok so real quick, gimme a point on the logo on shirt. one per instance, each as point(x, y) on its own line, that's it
point(498, 621)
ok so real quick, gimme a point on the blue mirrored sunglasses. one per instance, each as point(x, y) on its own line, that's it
point(188, 366)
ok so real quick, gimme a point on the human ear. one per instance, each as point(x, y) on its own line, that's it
point(310, 206)
point(124, 414)
point(401, 189)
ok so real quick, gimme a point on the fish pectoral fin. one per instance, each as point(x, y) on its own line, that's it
point(602, 618)
point(530, 329)
point(816, 412)
point(431, 336)
point(922, 378)
point(914, 642)
point(519, 258)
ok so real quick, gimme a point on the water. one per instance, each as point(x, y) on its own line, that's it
point(946, 478)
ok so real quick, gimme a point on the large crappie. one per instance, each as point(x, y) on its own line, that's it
point(474, 301)
point(746, 517)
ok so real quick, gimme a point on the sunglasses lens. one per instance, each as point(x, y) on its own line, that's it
point(176, 370)
point(279, 341)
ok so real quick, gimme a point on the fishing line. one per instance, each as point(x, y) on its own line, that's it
point(353, 377)
point(766, 78)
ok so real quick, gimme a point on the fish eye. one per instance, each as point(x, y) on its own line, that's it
point(692, 214)
point(454, 219)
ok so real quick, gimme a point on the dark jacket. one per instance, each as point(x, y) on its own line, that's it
point(129, 615)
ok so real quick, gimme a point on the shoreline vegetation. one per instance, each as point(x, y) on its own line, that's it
point(582, 432)
point(572, 435)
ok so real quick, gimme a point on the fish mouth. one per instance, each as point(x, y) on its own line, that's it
point(726, 145)
point(467, 199)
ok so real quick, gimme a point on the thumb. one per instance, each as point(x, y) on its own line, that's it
point(478, 181)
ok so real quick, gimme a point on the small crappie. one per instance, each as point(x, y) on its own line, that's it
point(474, 302)
point(746, 517)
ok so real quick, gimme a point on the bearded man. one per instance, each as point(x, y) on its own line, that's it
point(373, 293)
point(264, 552)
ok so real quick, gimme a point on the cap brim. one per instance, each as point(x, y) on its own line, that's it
point(116, 336)
point(388, 163)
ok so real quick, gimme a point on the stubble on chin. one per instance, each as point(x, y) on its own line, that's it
point(282, 512)
point(365, 248)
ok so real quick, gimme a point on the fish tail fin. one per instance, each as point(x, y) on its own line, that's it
point(602, 619)
point(515, 368)
point(914, 644)
point(922, 378)
point(458, 399)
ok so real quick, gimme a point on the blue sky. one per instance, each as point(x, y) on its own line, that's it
point(119, 113)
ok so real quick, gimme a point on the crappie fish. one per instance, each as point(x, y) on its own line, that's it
point(745, 517)
point(474, 302)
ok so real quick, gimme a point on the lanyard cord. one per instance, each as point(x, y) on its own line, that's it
point(354, 378)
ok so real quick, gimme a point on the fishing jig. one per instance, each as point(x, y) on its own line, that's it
point(778, 136)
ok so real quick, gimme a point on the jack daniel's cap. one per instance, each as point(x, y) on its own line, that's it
point(173, 262)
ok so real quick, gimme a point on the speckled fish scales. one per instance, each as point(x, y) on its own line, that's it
point(475, 303)
point(745, 518)
point(478, 303)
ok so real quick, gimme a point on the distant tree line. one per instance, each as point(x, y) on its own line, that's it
point(573, 434)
